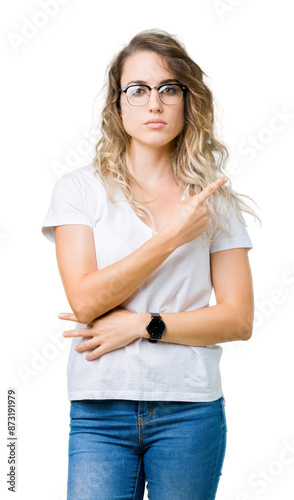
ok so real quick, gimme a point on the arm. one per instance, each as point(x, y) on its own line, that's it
point(231, 319)
point(92, 292)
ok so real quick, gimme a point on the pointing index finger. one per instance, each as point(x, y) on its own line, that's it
point(210, 189)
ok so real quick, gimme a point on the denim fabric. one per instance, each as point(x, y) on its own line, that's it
point(116, 446)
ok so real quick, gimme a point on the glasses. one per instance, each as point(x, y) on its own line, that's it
point(139, 95)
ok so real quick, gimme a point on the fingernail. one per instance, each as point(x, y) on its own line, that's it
point(225, 179)
point(65, 334)
point(61, 315)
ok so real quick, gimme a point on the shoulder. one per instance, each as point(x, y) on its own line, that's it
point(80, 189)
point(78, 197)
point(81, 186)
point(226, 209)
point(230, 230)
point(83, 178)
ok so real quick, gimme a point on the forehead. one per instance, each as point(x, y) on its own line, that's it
point(146, 66)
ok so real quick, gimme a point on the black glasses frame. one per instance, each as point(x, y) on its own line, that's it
point(183, 87)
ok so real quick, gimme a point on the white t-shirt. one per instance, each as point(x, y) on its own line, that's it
point(142, 370)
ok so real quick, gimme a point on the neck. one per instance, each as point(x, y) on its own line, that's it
point(150, 165)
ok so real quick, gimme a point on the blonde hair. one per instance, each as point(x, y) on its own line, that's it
point(198, 157)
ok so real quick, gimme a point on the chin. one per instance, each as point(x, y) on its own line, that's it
point(157, 144)
point(156, 141)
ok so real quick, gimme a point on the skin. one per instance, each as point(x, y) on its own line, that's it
point(95, 295)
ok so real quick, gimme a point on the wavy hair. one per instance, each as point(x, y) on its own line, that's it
point(198, 158)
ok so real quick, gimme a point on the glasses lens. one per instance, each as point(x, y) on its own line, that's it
point(170, 94)
point(138, 95)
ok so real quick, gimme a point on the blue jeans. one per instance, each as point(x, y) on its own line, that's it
point(115, 446)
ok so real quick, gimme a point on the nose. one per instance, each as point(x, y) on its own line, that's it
point(154, 102)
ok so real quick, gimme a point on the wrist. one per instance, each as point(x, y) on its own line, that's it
point(143, 321)
point(165, 241)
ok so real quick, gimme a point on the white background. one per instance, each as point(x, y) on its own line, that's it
point(52, 74)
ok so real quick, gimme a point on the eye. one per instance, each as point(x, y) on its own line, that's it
point(169, 90)
point(137, 91)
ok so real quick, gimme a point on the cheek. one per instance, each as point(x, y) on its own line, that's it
point(178, 121)
point(128, 117)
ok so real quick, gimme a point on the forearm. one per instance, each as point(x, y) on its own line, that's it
point(105, 289)
point(203, 327)
point(206, 326)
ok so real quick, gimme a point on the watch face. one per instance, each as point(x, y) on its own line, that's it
point(156, 328)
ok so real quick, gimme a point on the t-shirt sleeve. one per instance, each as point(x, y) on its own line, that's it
point(237, 236)
point(68, 206)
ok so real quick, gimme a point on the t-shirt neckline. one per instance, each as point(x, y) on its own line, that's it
point(143, 224)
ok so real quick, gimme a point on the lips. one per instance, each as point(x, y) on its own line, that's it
point(155, 123)
point(154, 120)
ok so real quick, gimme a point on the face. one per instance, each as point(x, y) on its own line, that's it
point(153, 70)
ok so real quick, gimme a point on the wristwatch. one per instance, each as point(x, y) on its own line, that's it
point(156, 327)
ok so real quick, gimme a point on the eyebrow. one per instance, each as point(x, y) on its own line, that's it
point(142, 82)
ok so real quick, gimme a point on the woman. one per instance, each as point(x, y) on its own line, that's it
point(141, 237)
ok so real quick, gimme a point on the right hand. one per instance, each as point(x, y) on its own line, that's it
point(189, 218)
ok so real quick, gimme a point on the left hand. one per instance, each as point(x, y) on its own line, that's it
point(111, 331)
